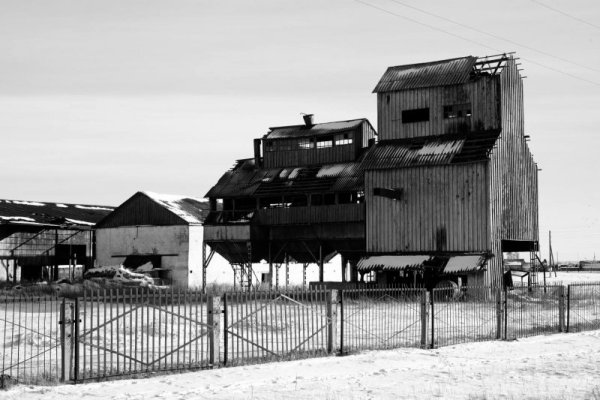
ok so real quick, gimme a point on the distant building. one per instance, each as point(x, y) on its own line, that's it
point(43, 240)
point(162, 233)
point(449, 186)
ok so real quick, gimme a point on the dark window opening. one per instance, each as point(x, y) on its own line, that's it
point(416, 115)
point(284, 145)
point(457, 111)
point(269, 146)
point(387, 99)
point(329, 199)
point(227, 204)
point(271, 202)
point(245, 203)
point(316, 200)
point(395, 194)
point(296, 201)
point(345, 198)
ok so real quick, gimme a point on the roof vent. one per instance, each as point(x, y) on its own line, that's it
point(308, 120)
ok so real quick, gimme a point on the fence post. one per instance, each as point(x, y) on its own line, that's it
point(213, 315)
point(341, 295)
point(67, 318)
point(332, 299)
point(561, 308)
point(432, 311)
point(424, 303)
point(498, 314)
point(568, 306)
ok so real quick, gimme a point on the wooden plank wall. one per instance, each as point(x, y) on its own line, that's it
point(329, 155)
point(449, 200)
point(482, 94)
point(513, 176)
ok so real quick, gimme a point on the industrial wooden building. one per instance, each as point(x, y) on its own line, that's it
point(46, 241)
point(161, 232)
point(449, 185)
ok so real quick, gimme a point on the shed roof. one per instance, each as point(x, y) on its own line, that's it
point(431, 150)
point(295, 131)
point(35, 213)
point(453, 71)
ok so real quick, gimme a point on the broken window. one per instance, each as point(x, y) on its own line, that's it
point(416, 115)
point(284, 145)
point(269, 146)
point(457, 111)
point(343, 138)
point(306, 143)
point(324, 142)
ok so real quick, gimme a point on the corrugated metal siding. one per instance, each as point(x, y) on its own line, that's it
point(513, 177)
point(303, 157)
point(437, 73)
point(444, 209)
point(481, 93)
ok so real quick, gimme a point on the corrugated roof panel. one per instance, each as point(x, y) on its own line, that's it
point(190, 209)
point(397, 263)
point(464, 263)
point(437, 73)
point(317, 129)
point(47, 213)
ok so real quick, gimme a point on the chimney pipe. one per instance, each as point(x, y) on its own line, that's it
point(308, 120)
point(257, 159)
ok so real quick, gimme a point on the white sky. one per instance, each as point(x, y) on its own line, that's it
point(102, 98)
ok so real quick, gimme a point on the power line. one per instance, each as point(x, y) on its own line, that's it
point(492, 35)
point(473, 41)
point(565, 14)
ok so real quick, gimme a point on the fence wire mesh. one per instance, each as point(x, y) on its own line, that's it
point(264, 326)
point(30, 331)
point(532, 310)
point(468, 314)
point(381, 318)
point(583, 309)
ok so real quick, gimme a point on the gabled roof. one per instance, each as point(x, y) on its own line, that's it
point(35, 213)
point(149, 208)
point(440, 73)
point(431, 150)
point(295, 131)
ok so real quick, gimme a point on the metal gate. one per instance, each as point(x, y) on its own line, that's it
point(130, 331)
point(262, 326)
point(30, 333)
point(375, 318)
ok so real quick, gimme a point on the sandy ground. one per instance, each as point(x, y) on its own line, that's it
point(561, 366)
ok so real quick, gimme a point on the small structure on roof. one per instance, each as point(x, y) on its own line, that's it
point(159, 234)
point(46, 240)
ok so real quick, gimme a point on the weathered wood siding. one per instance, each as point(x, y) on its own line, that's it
point(513, 211)
point(481, 94)
point(444, 208)
point(314, 156)
point(226, 232)
point(312, 215)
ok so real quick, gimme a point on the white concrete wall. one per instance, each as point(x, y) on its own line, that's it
point(160, 240)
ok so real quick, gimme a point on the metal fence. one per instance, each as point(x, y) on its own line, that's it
point(468, 314)
point(264, 326)
point(533, 310)
point(382, 318)
point(583, 308)
point(111, 333)
point(30, 331)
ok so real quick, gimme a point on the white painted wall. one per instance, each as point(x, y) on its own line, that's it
point(160, 240)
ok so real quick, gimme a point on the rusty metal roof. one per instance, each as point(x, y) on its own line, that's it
point(35, 213)
point(247, 180)
point(438, 73)
point(295, 131)
point(432, 150)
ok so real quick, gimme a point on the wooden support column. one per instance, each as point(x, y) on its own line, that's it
point(321, 269)
point(353, 271)
point(344, 265)
point(287, 271)
point(249, 270)
point(55, 267)
point(270, 267)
